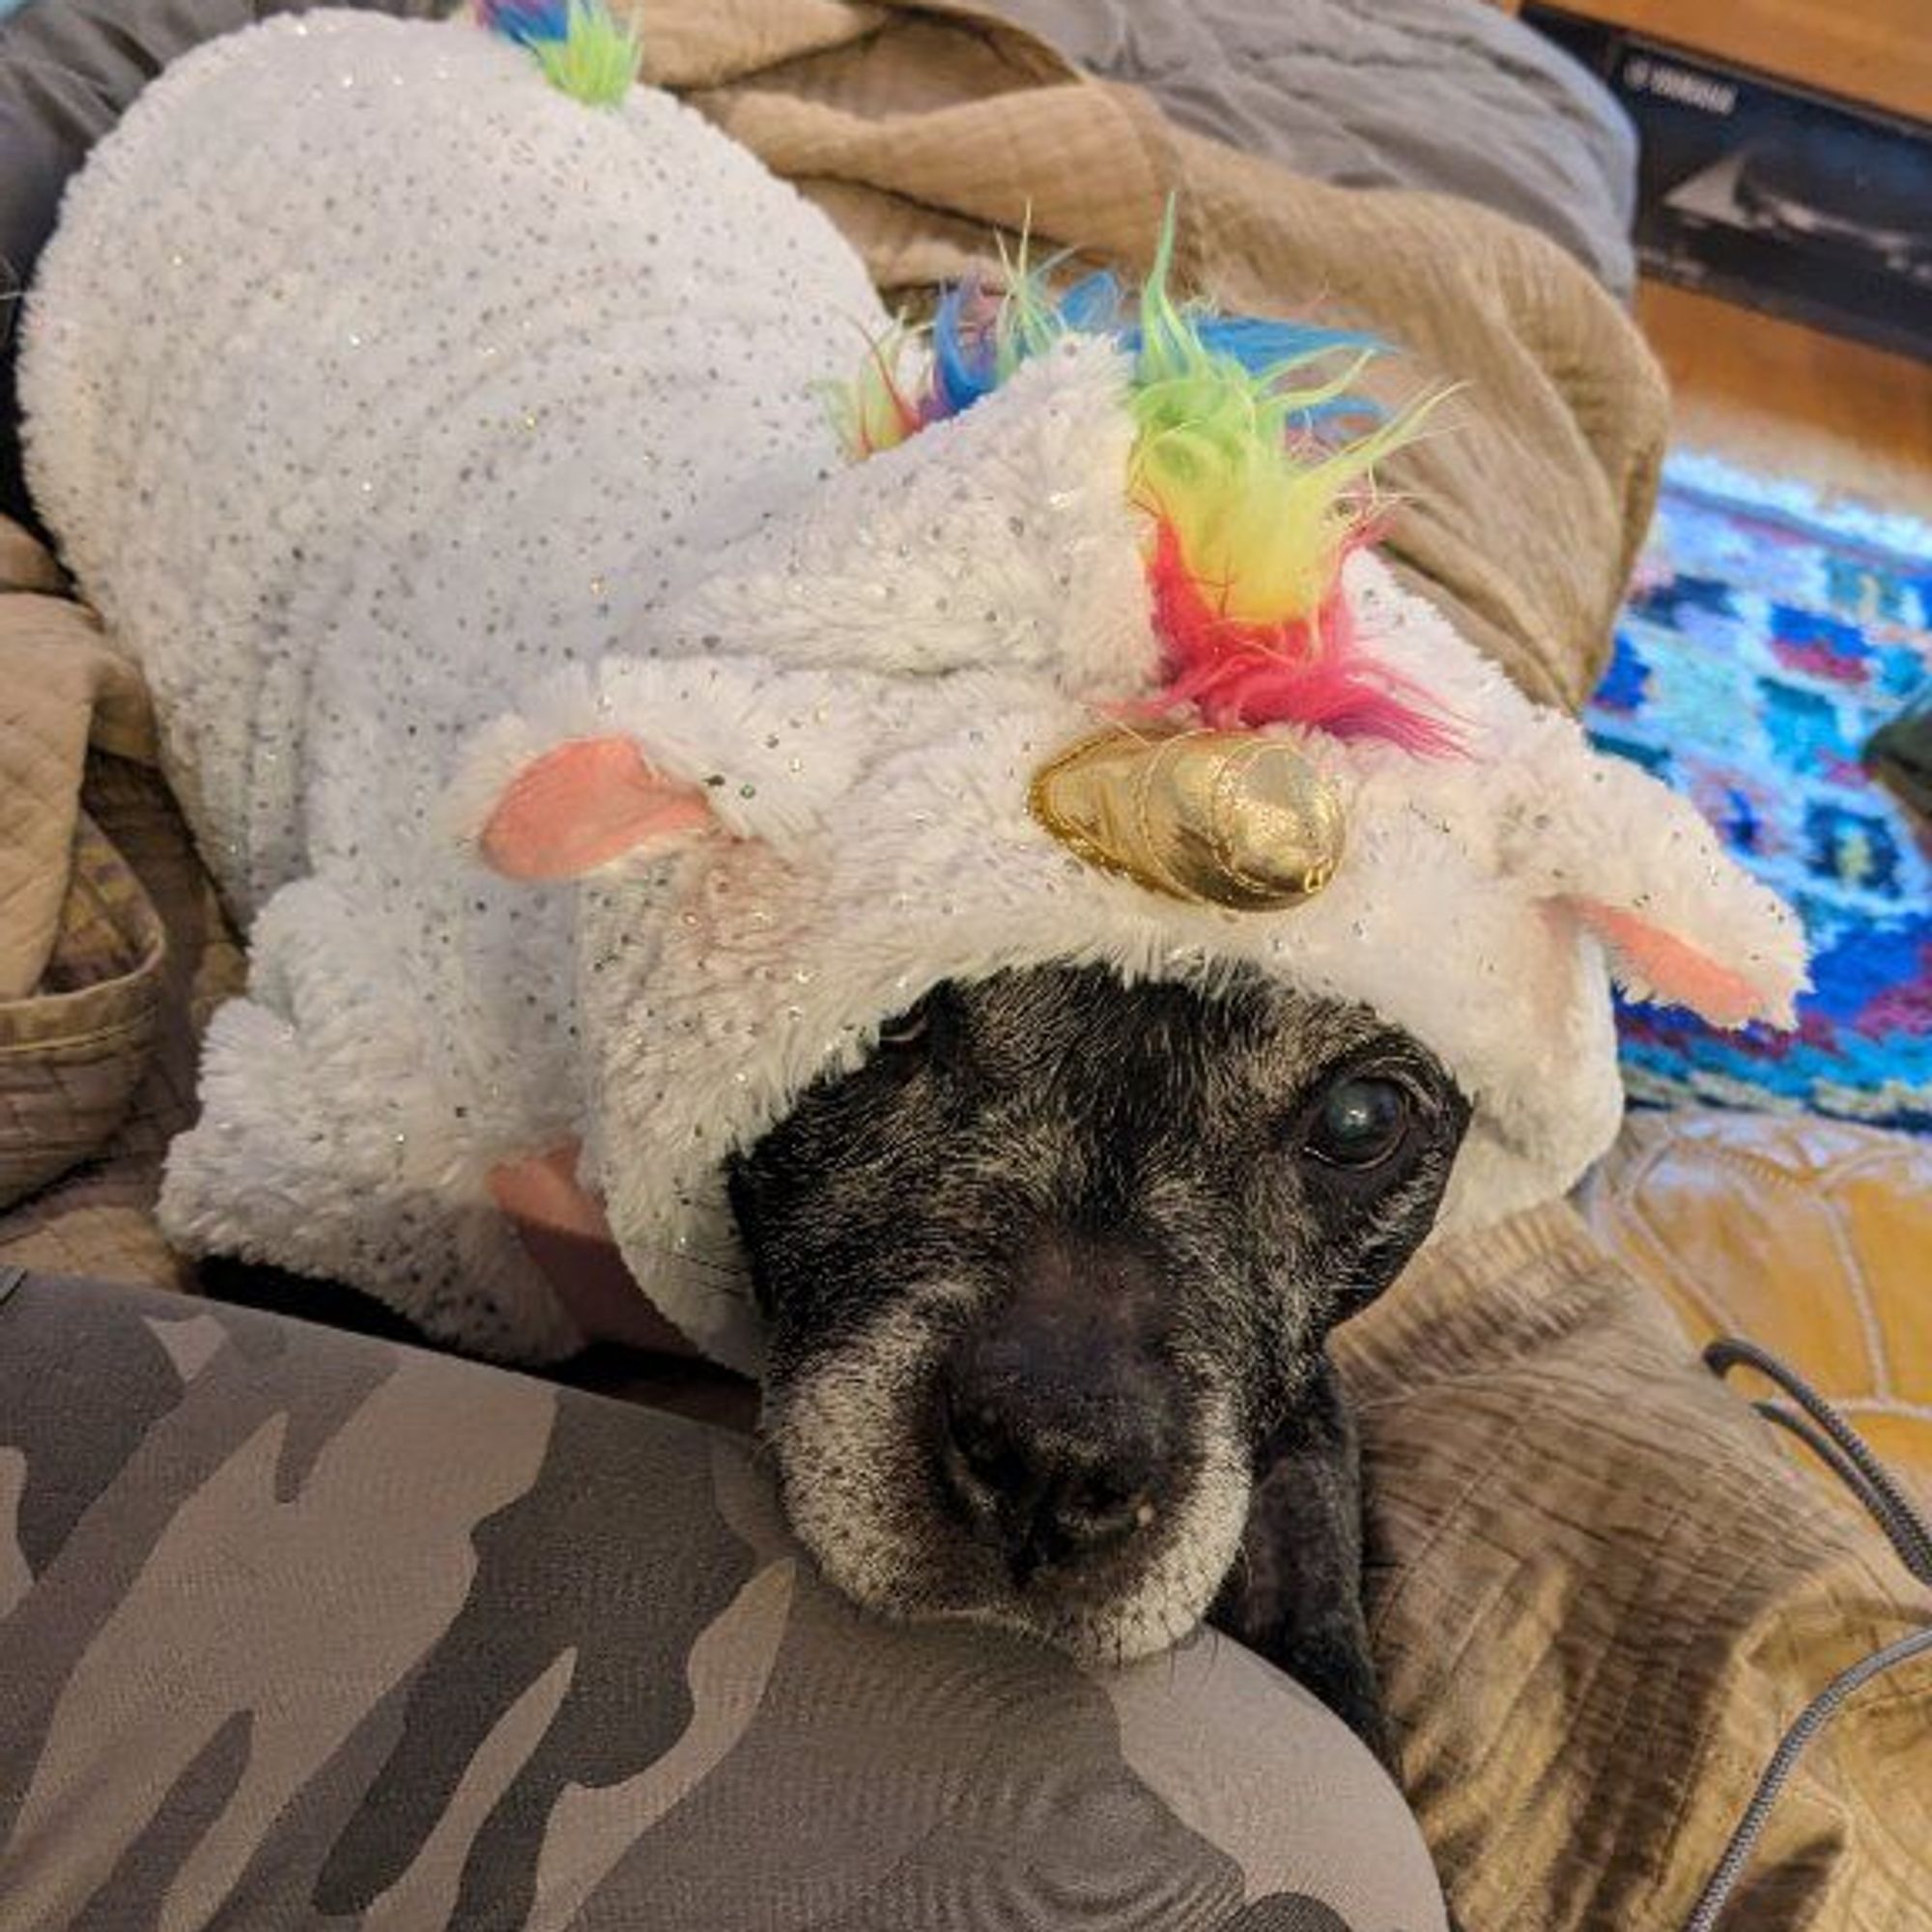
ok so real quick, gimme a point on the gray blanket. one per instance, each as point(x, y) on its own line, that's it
point(1451, 96)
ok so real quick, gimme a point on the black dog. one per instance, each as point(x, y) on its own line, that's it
point(1049, 1280)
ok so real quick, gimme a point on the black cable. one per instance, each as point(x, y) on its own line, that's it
point(1901, 1531)
point(1810, 1721)
point(1847, 1455)
point(1727, 1353)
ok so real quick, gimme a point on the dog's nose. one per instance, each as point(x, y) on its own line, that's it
point(1044, 1465)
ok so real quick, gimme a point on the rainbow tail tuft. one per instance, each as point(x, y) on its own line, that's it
point(582, 48)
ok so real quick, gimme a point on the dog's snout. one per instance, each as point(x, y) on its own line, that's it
point(1049, 1458)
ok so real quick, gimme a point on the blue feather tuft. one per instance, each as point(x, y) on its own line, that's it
point(1092, 306)
point(527, 22)
point(1258, 344)
point(967, 340)
point(964, 359)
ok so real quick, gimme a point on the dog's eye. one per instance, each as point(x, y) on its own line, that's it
point(1359, 1122)
point(908, 1029)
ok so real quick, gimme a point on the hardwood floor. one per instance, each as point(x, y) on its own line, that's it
point(1782, 399)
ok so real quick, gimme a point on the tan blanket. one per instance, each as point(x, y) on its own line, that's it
point(1599, 1595)
point(112, 947)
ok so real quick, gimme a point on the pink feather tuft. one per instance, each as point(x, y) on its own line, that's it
point(1300, 671)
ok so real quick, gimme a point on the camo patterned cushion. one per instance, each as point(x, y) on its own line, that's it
point(299, 1628)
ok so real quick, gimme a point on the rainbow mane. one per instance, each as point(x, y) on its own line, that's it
point(583, 49)
point(1253, 460)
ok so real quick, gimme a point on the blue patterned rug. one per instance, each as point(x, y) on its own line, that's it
point(1767, 639)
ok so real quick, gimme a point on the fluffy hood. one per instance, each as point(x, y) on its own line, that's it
point(810, 796)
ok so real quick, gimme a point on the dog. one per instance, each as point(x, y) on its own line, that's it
point(1049, 1282)
point(1018, 935)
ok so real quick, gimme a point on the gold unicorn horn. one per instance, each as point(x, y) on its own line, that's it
point(1224, 819)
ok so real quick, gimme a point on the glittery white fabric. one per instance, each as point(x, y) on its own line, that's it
point(421, 391)
point(367, 379)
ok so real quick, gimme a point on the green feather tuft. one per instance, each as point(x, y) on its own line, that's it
point(596, 62)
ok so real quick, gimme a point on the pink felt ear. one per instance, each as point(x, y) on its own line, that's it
point(1671, 968)
point(583, 804)
point(563, 1231)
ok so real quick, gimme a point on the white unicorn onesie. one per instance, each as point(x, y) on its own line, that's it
point(447, 445)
